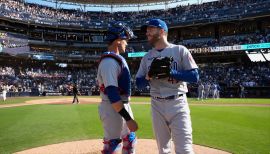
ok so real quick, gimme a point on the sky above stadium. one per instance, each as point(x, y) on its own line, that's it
point(124, 9)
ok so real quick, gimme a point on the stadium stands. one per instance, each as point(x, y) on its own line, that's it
point(74, 40)
point(223, 10)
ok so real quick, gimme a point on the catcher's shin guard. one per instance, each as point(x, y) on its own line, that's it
point(129, 142)
point(111, 146)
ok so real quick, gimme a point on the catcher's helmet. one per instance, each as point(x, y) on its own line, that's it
point(119, 30)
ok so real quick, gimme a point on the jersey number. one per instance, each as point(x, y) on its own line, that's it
point(171, 80)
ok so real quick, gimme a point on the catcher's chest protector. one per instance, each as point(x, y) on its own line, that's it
point(124, 83)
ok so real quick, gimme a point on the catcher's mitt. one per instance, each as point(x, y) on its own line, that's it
point(160, 67)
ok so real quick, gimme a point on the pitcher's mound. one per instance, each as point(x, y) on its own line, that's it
point(144, 146)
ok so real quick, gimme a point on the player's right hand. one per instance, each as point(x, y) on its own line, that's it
point(132, 125)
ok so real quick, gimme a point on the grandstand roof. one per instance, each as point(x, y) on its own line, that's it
point(120, 2)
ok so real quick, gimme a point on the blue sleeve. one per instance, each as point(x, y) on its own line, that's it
point(186, 75)
point(113, 94)
point(141, 82)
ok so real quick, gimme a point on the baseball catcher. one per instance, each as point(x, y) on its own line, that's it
point(160, 67)
point(114, 81)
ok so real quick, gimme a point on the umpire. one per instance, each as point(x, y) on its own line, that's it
point(75, 94)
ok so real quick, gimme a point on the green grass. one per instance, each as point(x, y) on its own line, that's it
point(221, 100)
point(16, 100)
point(235, 129)
point(233, 101)
point(31, 126)
point(244, 130)
point(140, 99)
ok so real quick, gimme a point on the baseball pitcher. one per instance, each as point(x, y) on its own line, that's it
point(168, 68)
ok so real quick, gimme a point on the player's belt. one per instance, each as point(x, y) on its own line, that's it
point(169, 97)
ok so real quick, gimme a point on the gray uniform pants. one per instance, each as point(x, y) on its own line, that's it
point(113, 124)
point(171, 120)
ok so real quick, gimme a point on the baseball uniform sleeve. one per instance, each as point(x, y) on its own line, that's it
point(141, 82)
point(189, 69)
point(187, 59)
point(142, 69)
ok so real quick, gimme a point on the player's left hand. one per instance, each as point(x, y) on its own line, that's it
point(160, 67)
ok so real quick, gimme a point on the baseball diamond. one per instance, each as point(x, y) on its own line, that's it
point(54, 141)
point(145, 77)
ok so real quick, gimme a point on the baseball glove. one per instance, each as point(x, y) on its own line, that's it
point(160, 67)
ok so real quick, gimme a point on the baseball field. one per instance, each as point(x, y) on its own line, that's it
point(239, 126)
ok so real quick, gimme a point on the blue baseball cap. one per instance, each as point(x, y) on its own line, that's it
point(155, 23)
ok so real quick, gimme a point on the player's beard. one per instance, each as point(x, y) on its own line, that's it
point(155, 38)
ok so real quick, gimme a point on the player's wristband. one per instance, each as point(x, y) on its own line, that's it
point(123, 112)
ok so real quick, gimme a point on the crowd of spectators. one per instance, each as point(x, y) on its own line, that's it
point(190, 44)
point(206, 12)
point(212, 10)
point(25, 79)
point(46, 80)
point(231, 75)
point(228, 77)
point(9, 71)
point(231, 40)
point(59, 80)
